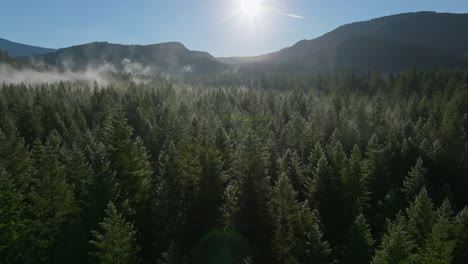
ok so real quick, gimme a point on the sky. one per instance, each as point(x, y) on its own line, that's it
point(220, 27)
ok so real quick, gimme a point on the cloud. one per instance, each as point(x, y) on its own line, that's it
point(290, 15)
point(135, 68)
point(9, 74)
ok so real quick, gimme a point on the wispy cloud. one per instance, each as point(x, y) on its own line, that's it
point(290, 15)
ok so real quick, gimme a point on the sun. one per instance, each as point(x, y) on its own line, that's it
point(250, 9)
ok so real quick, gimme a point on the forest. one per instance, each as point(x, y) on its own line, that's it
point(345, 168)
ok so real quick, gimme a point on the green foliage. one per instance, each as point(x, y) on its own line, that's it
point(316, 248)
point(439, 245)
point(397, 246)
point(285, 212)
point(13, 222)
point(415, 180)
point(116, 243)
point(360, 245)
point(460, 227)
point(128, 159)
point(14, 155)
point(305, 169)
point(53, 204)
point(420, 217)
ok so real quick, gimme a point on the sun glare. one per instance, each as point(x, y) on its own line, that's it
point(250, 8)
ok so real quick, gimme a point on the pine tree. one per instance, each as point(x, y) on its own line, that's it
point(420, 217)
point(128, 159)
point(355, 184)
point(325, 193)
point(255, 188)
point(461, 247)
point(415, 180)
point(438, 247)
point(230, 208)
point(315, 249)
point(116, 244)
point(284, 211)
point(375, 170)
point(338, 158)
point(397, 246)
point(291, 164)
point(360, 242)
point(14, 157)
point(52, 202)
point(13, 222)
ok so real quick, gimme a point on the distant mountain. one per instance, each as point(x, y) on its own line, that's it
point(6, 59)
point(19, 50)
point(392, 43)
point(165, 58)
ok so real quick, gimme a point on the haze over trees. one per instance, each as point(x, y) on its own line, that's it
point(230, 169)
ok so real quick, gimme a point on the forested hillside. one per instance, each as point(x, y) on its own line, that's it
point(6, 59)
point(388, 44)
point(18, 50)
point(323, 169)
point(171, 58)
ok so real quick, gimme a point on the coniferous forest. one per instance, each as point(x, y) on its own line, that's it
point(346, 168)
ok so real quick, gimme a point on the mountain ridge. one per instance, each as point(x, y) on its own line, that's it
point(388, 44)
point(375, 41)
point(16, 49)
point(171, 58)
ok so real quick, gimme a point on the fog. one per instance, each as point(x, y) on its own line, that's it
point(94, 72)
point(9, 74)
point(42, 73)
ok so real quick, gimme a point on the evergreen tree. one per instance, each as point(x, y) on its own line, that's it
point(231, 206)
point(14, 155)
point(420, 217)
point(13, 222)
point(461, 247)
point(397, 246)
point(316, 249)
point(360, 243)
point(415, 180)
point(52, 202)
point(325, 193)
point(116, 243)
point(284, 212)
point(439, 246)
point(355, 185)
point(128, 159)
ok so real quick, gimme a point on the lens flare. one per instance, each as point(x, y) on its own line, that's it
point(250, 9)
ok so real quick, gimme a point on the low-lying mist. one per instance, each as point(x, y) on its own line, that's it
point(9, 74)
point(103, 73)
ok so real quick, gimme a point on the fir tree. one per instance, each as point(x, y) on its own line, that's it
point(13, 222)
point(128, 159)
point(14, 155)
point(438, 247)
point(397, 246)
point(420, 217)
point(360, 243)
point(116, 243)
point(316, 248)
point(52, 202)
point(460, 226)
point(415, 180)
point(284, 212)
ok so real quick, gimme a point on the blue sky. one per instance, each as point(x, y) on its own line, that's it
point(215, 26)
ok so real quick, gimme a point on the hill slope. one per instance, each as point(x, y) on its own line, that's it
point(164, 58)
point(391, 43)
point(19, 50)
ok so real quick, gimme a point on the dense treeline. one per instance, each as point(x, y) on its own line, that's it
point(347, 169)
point(6, 59)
